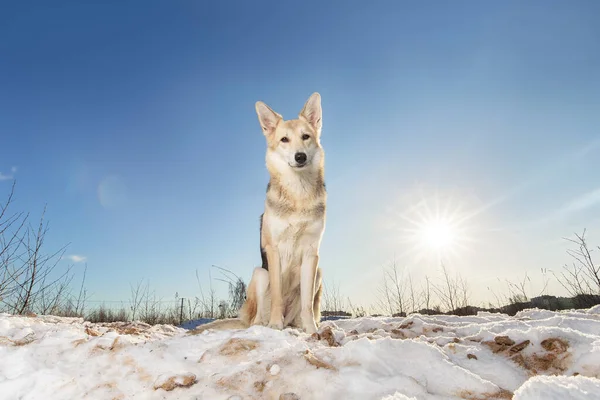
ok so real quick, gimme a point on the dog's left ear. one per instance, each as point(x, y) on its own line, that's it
point(312, 112)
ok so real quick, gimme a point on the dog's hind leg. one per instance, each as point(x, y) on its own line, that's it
point(253, 311)
point(262, 287)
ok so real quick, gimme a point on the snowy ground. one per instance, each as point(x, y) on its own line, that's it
point(534, 355)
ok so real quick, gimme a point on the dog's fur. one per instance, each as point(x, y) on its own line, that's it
point(286, 290)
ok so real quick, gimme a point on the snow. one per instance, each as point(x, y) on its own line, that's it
point(536, 354)
point(559, 388)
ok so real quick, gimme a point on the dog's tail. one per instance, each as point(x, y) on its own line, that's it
point(246, 314)
point(219, 325)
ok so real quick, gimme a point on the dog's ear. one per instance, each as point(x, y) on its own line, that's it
point(268, 118)
point(312, 112)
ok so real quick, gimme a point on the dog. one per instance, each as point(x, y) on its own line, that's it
point(286, 290)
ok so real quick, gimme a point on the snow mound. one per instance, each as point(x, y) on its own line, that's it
point(559, 388)
point(535, 354)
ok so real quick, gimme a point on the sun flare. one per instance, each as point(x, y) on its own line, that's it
point(435, 226)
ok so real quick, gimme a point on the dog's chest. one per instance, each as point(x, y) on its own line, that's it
point(295, 213)
point(295, 231)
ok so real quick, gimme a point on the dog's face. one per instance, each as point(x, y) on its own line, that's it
point(295, 143)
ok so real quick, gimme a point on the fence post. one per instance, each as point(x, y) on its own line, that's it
point(181, 313)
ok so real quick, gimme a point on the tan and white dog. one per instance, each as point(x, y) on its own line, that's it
point(286, 290)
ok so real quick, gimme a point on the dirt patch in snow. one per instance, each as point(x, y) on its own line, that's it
point(171, 382)
point(237, 346)
point(554, 359)
point(328, 336)
point(499, 395)
point(113, 346)
point(317, 362)
point(504, 344)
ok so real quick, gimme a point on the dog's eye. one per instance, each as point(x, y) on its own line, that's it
point(305, 137)
point(285, 139)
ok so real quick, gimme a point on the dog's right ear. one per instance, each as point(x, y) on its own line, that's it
point(268, 118)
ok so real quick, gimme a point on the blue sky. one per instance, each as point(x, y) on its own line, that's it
point(135, 123)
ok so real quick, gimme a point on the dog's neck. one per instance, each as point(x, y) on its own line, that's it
point(303, 183)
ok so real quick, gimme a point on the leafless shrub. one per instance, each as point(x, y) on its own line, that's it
point(357, 311)
point(412, 296)
point(193, 310)
point(137, 294)
point(398, 294)
point(519, 292)
point(208, 302)
point(426, 294)
point(453, 293)
point(333, 302)
point(582, 277)
point(29, 278)
point(59, 300)
point(392, 291)
point(237, 293)
point(106, 314)
point(152, 310)
point(145, 306)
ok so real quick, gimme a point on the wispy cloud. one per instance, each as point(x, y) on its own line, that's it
point(577, 204)
point(543, 173)
point(10, 176)
point(582, 202)
point(76, 258)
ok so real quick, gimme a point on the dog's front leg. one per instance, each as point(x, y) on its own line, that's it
point(274, 259)
point(308, 272)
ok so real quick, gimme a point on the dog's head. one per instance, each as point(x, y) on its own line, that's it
point(293, 144)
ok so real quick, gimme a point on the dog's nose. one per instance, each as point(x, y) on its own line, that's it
point(300, 158)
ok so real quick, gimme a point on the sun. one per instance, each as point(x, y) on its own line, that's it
point(437, 234)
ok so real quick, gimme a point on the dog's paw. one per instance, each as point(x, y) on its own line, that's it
point(308, 323)
point(310, 328)
point(276, 323)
